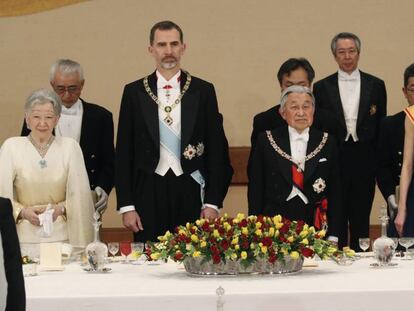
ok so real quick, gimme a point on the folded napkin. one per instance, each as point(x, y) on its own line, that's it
point(46, 222)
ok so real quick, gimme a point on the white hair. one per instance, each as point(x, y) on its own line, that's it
point(66, 66)
point(43, 96)
point(295, 89)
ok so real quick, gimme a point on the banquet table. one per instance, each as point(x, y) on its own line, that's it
point(168, 287)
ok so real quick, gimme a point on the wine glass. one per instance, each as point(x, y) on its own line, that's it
point(125, 248)
point(137, 250)
point(406, 242)
point(113, 248)
point(395, 240)
point(364, 244)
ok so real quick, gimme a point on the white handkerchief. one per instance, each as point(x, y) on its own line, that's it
point(323, 160)
point(46, 222)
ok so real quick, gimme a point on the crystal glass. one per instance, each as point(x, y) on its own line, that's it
point(406, 242)
point(137, 251)
point(113, 248)
point(364, 244)
point(125, 248)
point(384, 247)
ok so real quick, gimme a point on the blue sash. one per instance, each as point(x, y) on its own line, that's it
point(172, 142)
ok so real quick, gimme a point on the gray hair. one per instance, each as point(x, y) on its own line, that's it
point(41, 97)
point(295, 89)
point(66, 66)
point(345, 35)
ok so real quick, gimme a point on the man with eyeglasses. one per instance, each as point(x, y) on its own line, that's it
point(89, 124)
point(391, 152)
point(358, 101)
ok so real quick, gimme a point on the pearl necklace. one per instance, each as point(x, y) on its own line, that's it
point(41, 149)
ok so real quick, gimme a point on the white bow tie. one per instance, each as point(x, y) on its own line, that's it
point(303, 137)
point(69, 112)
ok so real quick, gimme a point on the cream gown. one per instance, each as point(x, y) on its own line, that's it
point(64, 179)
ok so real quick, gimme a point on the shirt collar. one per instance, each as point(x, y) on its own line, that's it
point(174, 82)
point(344, 76)
point(74, 110)
point(295, 136)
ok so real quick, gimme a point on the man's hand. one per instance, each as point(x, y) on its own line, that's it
point(392, 206)
point(102, 200)
point(132, 221)
point(209, 213)
point(58, 210)
point(399, 222)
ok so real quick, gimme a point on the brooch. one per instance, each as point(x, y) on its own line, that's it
point(372, 110)
point(319, 185)
point(191, 151)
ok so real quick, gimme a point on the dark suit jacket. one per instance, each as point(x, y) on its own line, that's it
point(271, 182)
point(271, 119)
point(16, 296)
point(97, 144)
point(138, 140)
point(390, 152)
point(372, 106)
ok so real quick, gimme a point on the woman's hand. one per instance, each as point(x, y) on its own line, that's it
point(399, 222)
point(31, 214)
point(58, 210)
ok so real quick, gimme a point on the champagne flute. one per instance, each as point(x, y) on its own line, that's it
point(364, 244)
point(125, 248)
point(113, 248)
point(137, 250)
point(406, 242)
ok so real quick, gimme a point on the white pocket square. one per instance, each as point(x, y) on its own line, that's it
point(323, 160)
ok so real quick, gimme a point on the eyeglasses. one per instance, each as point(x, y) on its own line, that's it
point(71, 89)
point(410, 91)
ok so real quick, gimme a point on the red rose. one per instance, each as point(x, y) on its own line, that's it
point(285, 228)
point(243, 223)
point(178, 256)
point(272, 258)
point(245, 244)
point(214, 250)
point(206, 226)
point(216, 258)
point(307, 252)
point(267, 241)
point(224, 245)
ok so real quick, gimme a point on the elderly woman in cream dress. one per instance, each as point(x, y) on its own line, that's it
point(43, 174)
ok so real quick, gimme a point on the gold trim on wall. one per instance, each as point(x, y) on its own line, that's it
point(25, 7)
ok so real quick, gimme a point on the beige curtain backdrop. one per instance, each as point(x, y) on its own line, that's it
point(236, 44)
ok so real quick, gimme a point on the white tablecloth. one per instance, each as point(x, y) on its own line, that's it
point(168, 287)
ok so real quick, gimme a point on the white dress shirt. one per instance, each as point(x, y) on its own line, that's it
point(298, 145)
point(349, 90)
point(168, 160)
point(70, 121)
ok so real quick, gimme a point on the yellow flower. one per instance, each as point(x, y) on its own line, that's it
point(311, 230)
point(304, 233)
point(264, 249)
point(258, 225)
point(290, 239)
point(237, 247)
point(155, 256)
point(233, 256)
point(243, 255)
point(188, 246)
point(187, 225)
point(226, 215)
point(252, 218)
point(203, 244)
point(271, 231)
point(277, 219)
point(235, 240)
point(196, 254)
point(294, 255)
point(331, 250)
point(258, 232)
point(245, 231)
point(194, 228)
point(198, 222)
point(322, 233)
point(226, 226)
point(349, 252)
point(278, 225)
point(305, 242)
point(182, 231)
point(305, 227)
point(284, 251)
point(194, 238)
point(252, 246)
point(216, 234)
point(240, 216)
point(277, 233)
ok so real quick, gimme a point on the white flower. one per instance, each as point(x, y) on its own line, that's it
point(189, 152)
point(319, 185)
point(200, 149)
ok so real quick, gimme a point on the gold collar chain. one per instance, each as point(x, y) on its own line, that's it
point(168, 108)
point(289, 157)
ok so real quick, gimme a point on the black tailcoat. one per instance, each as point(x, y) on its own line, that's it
point(271, 181)
point(16, 297)
point(138, 141)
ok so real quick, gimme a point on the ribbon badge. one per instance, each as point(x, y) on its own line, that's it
point(191, 151)
point(372, 110)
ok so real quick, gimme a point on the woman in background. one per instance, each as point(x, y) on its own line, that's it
point(45, 177)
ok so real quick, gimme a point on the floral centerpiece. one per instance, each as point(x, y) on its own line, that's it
point(29, 266)
point(243, 244)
